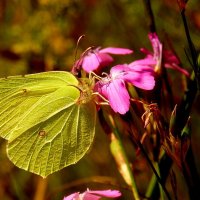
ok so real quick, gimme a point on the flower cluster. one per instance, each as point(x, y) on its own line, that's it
point(139, 73)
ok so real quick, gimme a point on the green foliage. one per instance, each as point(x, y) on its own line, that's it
point(47, 125)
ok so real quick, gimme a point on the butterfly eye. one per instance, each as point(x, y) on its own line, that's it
point(42, 133)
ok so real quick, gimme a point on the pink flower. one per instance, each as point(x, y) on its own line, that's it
point(93, 195)
point(113, 87)
point(96, 58)
point(172, 62)
point(160, 56)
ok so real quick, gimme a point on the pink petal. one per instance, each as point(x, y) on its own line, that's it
point(141, 68)
point(169, 57)
point(138, 75)
point(177, 68)
point(157, 46)
point(106, 59)
point(88, 196)
point(144, 81)
point(153, 36)
point(146, 51)
point(118, 96)
point(107, 193)
point(146, 61)
point(93, 195)
point(171, 61)
point(115, 50)
point(141, 79)
point(118, 71)
point(116, 93)
point(72, 196)
point(91, 62)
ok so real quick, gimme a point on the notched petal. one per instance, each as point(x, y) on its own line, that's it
point(116, 50)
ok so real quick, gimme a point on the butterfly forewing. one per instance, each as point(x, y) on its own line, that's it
point(21, 94)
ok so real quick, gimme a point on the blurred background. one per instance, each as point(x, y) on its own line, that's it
point(41, 35)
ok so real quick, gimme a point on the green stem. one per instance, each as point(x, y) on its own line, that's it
point(40, 189)
point(151, 21)
point(118, 151)
point(160, 186)
point(192, 178)
point(156, 172)
point(190, 43)
point(184, 109)
point(151, 187)
point(164, 165)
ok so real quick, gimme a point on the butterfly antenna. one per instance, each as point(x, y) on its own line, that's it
point(76, 50)
point(76, 68)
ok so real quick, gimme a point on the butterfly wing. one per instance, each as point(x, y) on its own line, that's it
point(45, 127)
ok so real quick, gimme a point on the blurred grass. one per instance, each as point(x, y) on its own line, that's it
point(41, 35)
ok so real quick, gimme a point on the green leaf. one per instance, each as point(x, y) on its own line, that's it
point(48, 122)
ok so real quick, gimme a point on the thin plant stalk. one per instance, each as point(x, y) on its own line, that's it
point(119, 153)
point(40, 189)
point(151, 20)
point(156, 172)
point(160, 186)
